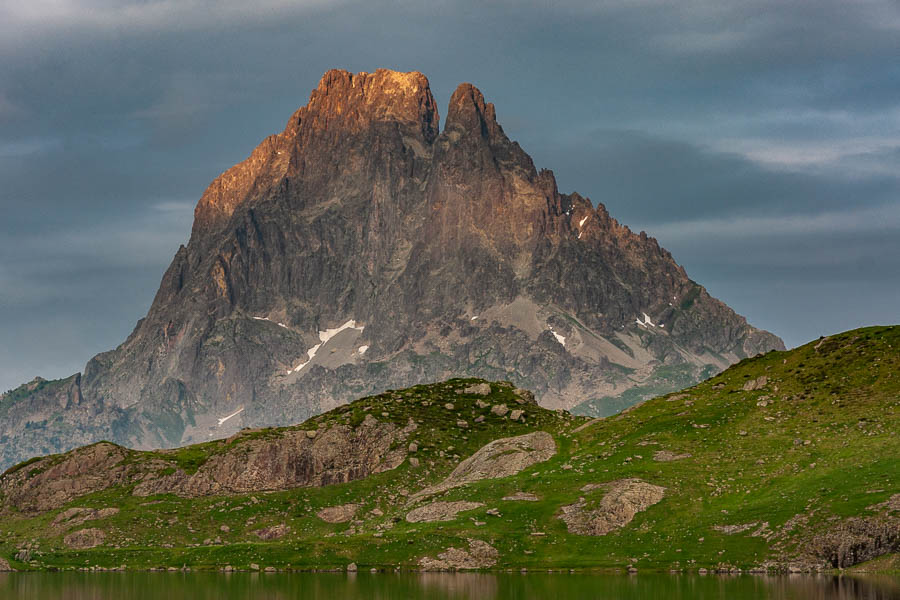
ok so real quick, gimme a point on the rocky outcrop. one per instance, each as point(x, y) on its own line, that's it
point(335, 455)
point(622, 500)
point(338, 514)
point(363, 248)
point(85, 538)
point(669, 456)
point(756, 384)
point(856, 540)
point(733, 529)
point(54, 481)
point(440, 511)
point(249, 462)
point(273, 532)
point(500, 458)
point(479, 389)
point(75, 516)
point(521, 496)
point(480, 555)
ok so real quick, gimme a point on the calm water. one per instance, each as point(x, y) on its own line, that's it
point(278, 586)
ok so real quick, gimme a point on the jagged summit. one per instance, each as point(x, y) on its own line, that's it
point(341, 108)
point(364, 248)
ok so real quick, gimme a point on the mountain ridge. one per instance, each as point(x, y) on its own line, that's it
point(431, 252)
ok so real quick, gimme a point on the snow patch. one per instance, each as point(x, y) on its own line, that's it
point(579, 234)
point(559, 338)
point(362, 350)
point(646, 322)
point(473, 318)
point(270, 321)
point(324, 336)
point(581, 222)
point(234, 414)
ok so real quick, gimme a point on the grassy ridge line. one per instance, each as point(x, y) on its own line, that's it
point(815, 445)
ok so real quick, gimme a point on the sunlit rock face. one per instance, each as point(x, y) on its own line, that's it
point(364, 248)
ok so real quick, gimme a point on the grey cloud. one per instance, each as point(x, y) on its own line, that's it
point(646, 180)
point(686, 119)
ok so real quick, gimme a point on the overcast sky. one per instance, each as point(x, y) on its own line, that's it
point(759, 141)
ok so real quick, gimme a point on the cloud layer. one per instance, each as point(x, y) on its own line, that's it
point(757, 140)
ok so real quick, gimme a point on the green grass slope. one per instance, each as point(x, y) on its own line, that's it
point(791, 459)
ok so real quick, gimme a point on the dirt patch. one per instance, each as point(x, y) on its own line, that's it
point(522, 496)
point(500, 458)
point(440, 511)
point(85, 538)
point(272, 533)
point(667, 456)
point(624, 498)
point(480, 555)
point(338, 514)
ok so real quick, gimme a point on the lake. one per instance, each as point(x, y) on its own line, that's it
point(438, 586)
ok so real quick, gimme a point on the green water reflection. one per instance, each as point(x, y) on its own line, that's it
point(438, 586)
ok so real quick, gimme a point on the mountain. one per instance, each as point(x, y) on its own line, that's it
point(790, 460)
point(364, 248)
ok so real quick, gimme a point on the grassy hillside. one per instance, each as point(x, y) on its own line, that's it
point(791, 458)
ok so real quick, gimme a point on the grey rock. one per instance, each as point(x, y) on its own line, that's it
point(500, 458)
point(500, 410)
point(314, 232)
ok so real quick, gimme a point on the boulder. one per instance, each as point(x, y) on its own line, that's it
point(480, 555)
point(85, 538)
point(479, 389)
point(500, 410)
point(440, 511)
point(756, 384)
point(521, 496)
point(667, 456)
point(272, 533)
point(500, 458)
point(78, 515)
point(622, 500)
point(338, 514)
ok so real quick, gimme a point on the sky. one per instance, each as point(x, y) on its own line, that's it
point(757, 140)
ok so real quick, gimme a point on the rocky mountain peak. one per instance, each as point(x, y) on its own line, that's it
point(348, 116)
point(347, 101)
point(469, 112)
point(362, 249)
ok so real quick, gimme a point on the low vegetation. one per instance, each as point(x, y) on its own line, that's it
point(787, 460)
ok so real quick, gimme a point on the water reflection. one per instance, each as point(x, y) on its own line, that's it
point(438, 586)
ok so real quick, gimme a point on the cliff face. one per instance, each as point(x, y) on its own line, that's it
point(364, 248)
